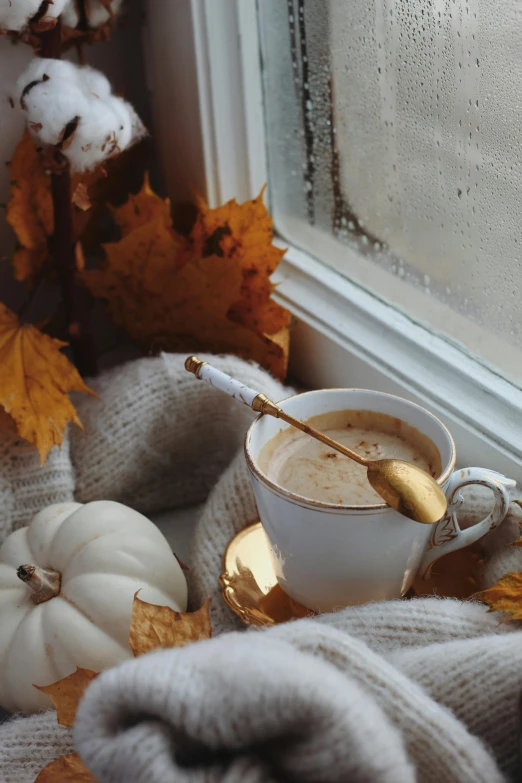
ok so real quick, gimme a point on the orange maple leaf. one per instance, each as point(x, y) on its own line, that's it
point(30, 207)
point(34, 383)
point(209, 292)
point(505, 595)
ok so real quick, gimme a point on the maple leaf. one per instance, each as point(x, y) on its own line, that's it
point(142, 208)
point(505, 595)
point(201, 293)
point(27, 262)
point(66, 769)
point(154, 627)
point(30, 207)
point(34, 383)
point(66, 693)
point(244, 232)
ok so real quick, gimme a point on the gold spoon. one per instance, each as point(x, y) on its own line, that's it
point(403, 486)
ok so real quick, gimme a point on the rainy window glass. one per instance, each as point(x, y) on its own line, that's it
point(394, 127)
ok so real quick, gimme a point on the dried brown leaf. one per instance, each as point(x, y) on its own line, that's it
point(81, 198)
point(505, 596)
point(67, 769)
point(66, 693)
point(153, 627)
point(182, 565)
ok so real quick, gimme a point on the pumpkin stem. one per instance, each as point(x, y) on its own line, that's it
point(44, 584)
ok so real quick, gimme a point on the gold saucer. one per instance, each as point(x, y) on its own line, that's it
point(249, 582)
point(250, 586)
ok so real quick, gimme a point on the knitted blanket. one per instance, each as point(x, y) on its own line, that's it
point(424, 690)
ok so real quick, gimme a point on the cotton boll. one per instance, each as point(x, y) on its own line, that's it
point(70, 16)
point(53, 9)
point(50, 110)
point(128, 127)
point(109, 130)
point(93, 142)
point(123, 121)
point(95, 82)
point(18, 14)
point(50, 95)
point(15, 14)
point(106, 132)
point(72, 107)
point(96, 13)
point(139, 131)
point(58, 71)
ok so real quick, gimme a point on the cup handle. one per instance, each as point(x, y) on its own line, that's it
point(447, 535)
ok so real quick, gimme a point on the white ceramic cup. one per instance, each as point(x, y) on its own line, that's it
point(327, 556)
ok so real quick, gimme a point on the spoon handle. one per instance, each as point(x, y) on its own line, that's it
point(260, 403)
point(231, 386)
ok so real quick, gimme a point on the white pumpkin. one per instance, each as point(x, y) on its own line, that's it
point(74, 607)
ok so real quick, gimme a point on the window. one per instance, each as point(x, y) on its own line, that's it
point(394, 128)
point(402, 265)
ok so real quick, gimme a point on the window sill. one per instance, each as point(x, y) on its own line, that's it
point(345, 336)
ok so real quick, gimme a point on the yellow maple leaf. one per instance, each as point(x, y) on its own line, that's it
point(504, 596)
point(30, 207)
point(66, 693)
point(34, 383)
point(154, 627)
point(27, 262)
point(66, 769)
point(208, 292)
point(142, 208)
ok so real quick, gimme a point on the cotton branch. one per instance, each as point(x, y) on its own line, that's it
point(37, 16)
point(77, 121)
point(73, 115)
point(62, 245)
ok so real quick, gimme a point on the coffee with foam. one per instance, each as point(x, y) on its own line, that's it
point(308, 468)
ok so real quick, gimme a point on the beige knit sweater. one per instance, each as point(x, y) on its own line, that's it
point(423, 690)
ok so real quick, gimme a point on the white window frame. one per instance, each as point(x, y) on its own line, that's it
point(205, 78)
